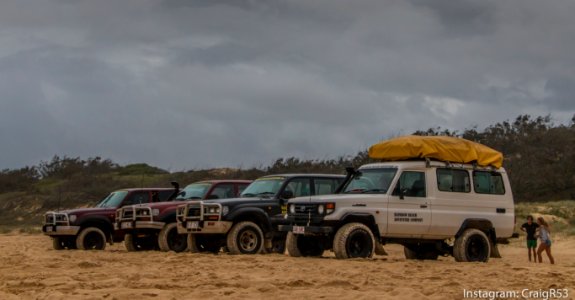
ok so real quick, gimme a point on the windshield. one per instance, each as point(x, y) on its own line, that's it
point(371, 181)
point(113, 200)
point(194, 191)
point(264, 187)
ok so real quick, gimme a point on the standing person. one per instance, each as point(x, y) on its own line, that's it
point(530, 227)
point(545, 237)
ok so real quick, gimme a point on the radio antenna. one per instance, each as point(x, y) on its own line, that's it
point(59, 198)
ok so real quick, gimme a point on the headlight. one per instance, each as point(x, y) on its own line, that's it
point(225, 210)
point(213, 210)
point(292, 209)
point(320, 209)
point(72, 218)
point(155, 212)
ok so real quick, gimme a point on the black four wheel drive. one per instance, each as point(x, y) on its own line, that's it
point(248, 225)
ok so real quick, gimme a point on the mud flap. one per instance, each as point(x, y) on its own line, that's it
point(494, 250)
point(379, 249)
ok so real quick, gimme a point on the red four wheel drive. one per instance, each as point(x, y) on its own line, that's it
point(153, 226)
point(91, 228)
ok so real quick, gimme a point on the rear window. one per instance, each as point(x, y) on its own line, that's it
point(451, 180)
point(485, 182)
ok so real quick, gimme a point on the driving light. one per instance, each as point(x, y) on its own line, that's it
point(225, 210)
point(155, 212)
point(292, 209)
point(72, 218)
point(320, 209)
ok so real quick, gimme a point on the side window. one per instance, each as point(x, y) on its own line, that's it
point(137, 198)
point(222, 191)
point(299, 186)
point(450, 180)
point(325, 186)
point(165, 195)
point(412, 183)
point(241, 188)
point(488, 183)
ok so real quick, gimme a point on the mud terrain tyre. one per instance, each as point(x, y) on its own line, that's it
point(422, 254)
point(170, 240)
point(134, 243)
point(91, 238)
point(245, 238)
point(201, 243)
point(300, 245)
point(64, 242)
point(354, 240)
point(472, 245)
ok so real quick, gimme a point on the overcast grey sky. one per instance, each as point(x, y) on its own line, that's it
point(191, 84)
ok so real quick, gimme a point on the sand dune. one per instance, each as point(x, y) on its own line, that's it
point(30, 269)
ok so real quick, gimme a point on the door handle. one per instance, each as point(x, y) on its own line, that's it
point(423, 206)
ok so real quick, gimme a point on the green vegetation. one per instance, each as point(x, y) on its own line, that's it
point(559, 214)
point(539, 159)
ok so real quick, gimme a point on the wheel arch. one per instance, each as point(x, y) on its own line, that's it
point(481, 224)
point(255, 215)
point(363, 218)
point(101, 223)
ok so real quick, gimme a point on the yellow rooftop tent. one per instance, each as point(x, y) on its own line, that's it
point(442, 148)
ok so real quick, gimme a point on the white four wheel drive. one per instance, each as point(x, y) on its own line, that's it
point(431, 207)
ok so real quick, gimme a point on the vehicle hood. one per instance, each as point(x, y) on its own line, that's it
point(232, 201)
point(86, 210)
point(328, 198)
point(161, 205)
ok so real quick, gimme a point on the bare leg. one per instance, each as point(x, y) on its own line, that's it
point(534, 254)
point(529, 252)
point(539, 251)
point(548, 251)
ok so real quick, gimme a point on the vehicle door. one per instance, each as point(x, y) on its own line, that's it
point(409, 210)
point(137, 197)
point(325, 186)
point(222, 191)
point(240, 187)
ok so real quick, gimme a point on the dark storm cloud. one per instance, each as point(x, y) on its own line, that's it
point(187, 84)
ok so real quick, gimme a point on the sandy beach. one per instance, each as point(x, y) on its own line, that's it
point(31, 269)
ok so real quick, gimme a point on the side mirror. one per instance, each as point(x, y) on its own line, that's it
point(286, 195)
point(402, 193)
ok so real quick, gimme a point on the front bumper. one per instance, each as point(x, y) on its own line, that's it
point(201, 218)
point(204, 227)
point(136, 217)
point(54, 230)
point(130, 225)
point(58, 223)
point(307, 230)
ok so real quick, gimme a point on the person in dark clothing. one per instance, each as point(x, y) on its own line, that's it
point(530, 228)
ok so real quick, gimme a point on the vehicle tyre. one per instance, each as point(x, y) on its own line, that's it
point(91, 238)
point(245, 238)
point(424, 253)
point(64, 242)
point(353, 240)
point(379, 250)
point(201, 243)
point(472, 245)
point(301, 245)
point(133, 242)
point(170, 240)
